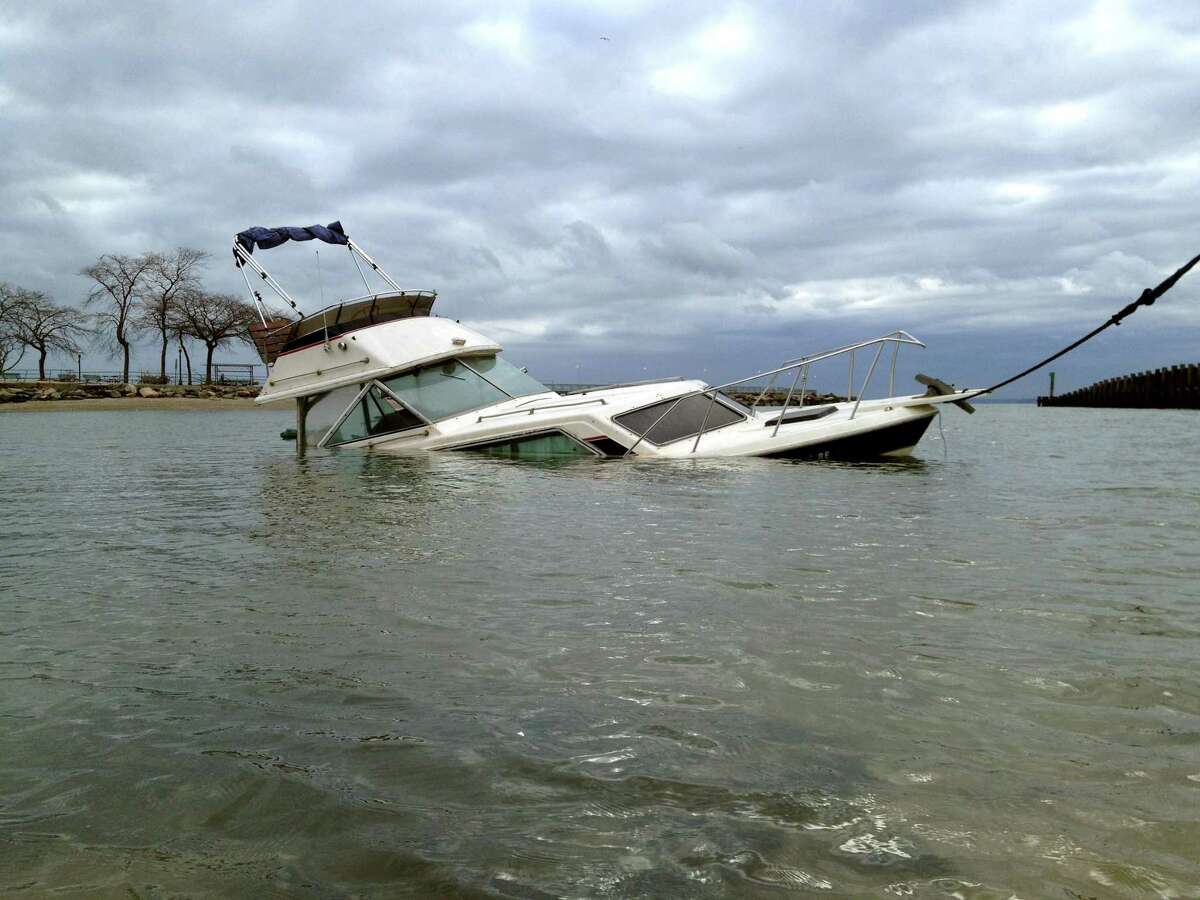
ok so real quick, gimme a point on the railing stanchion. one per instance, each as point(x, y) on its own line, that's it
point(866, 381)
point(892, 373)
point(659, 419)
point(850, 383)
point(788, 399)
point(763, 392)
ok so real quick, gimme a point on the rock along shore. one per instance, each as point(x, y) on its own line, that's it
point(778, 397)
point(35, 391)
point(44, 392)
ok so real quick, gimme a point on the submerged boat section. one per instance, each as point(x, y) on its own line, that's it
point(382, 371)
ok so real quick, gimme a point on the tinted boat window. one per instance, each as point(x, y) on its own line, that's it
point(445, 390)
point(328, 409)
point(506, 376)
point(452, 387)
point(533, 446)
point(683, 421)
point(375, 414)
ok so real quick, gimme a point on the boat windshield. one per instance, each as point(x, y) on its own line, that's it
point(456, 386)
point(373, 413)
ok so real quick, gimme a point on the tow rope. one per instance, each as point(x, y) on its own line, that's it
point(1149, 295)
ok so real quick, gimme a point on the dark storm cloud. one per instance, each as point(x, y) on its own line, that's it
point(639, 187)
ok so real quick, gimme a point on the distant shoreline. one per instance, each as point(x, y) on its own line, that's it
point(112, 404)
point(72, 396)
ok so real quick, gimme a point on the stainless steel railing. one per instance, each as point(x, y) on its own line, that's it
point(801, 366)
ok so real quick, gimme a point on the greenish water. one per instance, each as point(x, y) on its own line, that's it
point(228, 673)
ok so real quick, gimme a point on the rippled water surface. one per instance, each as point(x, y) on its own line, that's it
point(225, 672)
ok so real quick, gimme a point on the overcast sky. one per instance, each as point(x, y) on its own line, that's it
point(624, 189)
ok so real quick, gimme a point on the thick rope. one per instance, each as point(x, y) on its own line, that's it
point(1149, 295)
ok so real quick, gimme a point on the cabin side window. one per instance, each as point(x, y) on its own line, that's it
point(542, 445)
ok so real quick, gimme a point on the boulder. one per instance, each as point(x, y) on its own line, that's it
point(115, 394)
point(148, 392)
point(7, 396)
point(129, 390)
point(75, 395)
point(47, 394)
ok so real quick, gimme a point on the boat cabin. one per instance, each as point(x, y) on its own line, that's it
point(417, 398)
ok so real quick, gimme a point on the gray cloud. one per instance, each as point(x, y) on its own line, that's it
point(713, 187)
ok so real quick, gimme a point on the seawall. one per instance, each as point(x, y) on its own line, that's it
point(1173, 387)
point(43, 391)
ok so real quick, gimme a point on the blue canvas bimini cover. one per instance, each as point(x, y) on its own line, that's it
point(266, 238)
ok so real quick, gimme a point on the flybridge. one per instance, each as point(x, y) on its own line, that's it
point(279, 334)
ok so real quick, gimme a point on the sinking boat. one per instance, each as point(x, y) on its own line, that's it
point(382, 371)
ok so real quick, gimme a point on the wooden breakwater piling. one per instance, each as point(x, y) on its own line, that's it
point(1173, 387)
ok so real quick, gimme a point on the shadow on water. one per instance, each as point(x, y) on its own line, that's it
point(900, 465)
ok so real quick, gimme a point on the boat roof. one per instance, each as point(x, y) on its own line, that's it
point(282, 335)
point(377, 350)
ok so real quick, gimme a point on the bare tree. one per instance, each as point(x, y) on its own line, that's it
point(11, 347)
point(45, 327)
point(178, 333)
point(212, 319)
point(167, 275)
point(119, 279)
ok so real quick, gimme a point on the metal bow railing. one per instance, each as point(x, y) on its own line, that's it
point(801, 367)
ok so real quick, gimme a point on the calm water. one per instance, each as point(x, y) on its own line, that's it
point(228, 673)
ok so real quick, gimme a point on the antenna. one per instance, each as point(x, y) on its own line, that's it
point(321, 285)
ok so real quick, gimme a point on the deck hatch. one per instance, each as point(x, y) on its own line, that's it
point(681, 422)
point(803, 414)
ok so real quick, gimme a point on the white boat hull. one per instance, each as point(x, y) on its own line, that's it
point(380, 371)
point(890, 427)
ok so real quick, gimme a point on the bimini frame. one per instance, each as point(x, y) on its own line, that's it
point(244, 259)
